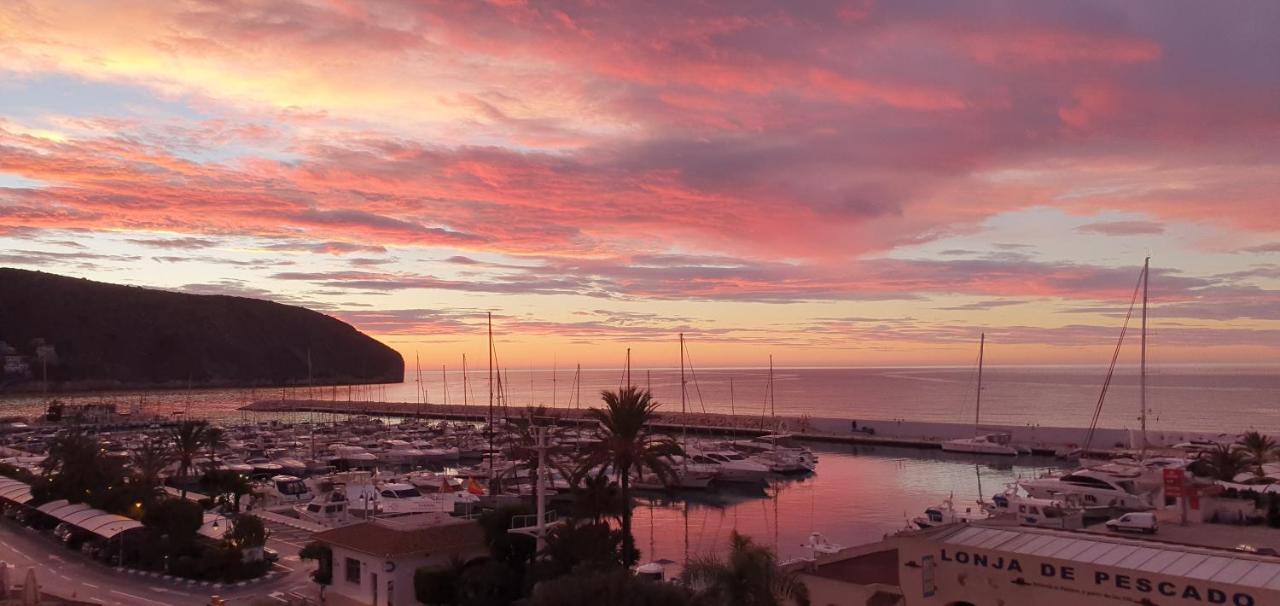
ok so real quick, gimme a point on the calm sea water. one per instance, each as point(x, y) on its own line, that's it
point(858, 495)
point(1217, 398)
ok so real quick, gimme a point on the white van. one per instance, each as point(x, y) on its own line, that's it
point(1139, 522)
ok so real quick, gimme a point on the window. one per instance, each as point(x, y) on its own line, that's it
point(353, 571)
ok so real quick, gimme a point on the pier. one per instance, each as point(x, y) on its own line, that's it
point(1041, 440)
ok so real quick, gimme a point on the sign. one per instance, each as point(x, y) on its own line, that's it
point(1175, 481)
point(1097, 581)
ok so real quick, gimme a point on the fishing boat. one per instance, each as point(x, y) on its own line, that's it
point(947, 513)
point(988, 444)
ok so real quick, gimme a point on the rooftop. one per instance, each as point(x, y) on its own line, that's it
point(419, 534)
point(1140, 555)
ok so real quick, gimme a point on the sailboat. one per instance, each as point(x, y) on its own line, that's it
point(991, 443)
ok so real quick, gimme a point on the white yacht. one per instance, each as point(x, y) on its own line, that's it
point(946, 513)
point(352, 457)
point(732, 466)
point(991, 444)
point(1030, 511)
point(401, 453)
point(691, 476)
point(283, 489)
point(1094, 488)
point(329, 508)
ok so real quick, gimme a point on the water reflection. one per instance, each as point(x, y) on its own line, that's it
point(858, 495)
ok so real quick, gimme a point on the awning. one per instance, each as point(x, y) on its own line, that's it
point(15, 491)
point(84, 517)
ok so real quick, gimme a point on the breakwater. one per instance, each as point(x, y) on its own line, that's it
point(1044, 440)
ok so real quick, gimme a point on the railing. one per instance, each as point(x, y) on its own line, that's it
point(530, 520)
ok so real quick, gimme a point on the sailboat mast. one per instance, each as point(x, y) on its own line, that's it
point(684, 427)
point(628, 368)
point(773, 410)
point(491, 453)
point(1142, 397)
point(977, 409)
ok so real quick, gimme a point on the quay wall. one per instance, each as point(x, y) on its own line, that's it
point(899, 432)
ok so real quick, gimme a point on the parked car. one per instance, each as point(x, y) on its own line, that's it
point(1267, 551)
point(270, 555)
point(1134, 522)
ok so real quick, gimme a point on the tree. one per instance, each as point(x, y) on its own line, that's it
point(1260, 448)
point(214, 438)
point(628, 444)
point(323, 555)
point(750, 577)
point(247, 531)
point(587, 547)
point(440, 584)
point(149, 461)
point(616, 588)
point(75, 469)
point(1225, 462)
point(188, 439)
point(177, 518)
point(222, 482)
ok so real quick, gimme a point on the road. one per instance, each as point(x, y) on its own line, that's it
point(71, 574)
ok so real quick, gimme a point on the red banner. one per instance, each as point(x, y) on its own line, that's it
point(1174, 482)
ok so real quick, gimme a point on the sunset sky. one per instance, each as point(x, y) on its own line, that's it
point(833, 183)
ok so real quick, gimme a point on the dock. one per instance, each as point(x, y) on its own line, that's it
point(1041, 440)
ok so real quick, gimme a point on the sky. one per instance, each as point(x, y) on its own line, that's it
point(853, 183)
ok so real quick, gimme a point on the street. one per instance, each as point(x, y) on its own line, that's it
point(73, 575)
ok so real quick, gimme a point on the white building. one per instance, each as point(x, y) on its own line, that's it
point(374, 561)
point(979, 565)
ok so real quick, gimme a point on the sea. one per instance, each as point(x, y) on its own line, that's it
point(1190, 398)
point(859, 493)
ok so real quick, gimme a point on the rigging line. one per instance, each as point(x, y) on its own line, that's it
point(1115, 355)
point(694, 375)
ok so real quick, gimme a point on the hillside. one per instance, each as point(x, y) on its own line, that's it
point(106, 334)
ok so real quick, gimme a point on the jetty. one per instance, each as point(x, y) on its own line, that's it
point(1040, 440)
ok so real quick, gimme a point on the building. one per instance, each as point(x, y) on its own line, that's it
point(988, 564)
point(374, 561)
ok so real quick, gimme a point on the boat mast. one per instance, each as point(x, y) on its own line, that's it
point(491, 401)
point(773, 410)
point(977, 410)
point(1142, 397)
point(684, 420)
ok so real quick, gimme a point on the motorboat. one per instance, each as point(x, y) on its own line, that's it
point(1093, 487)
point(401, 453)
point(989, 444)
point(284, 489)
point(684, 475)
point(328, 508)
point(263, 467)
point(1030, 511)
point(348, 457)
point(732, 466)
point(292, 466)
point(947, 513)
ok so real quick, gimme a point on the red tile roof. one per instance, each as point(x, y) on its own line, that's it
point(387, 539)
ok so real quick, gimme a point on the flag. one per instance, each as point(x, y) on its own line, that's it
point(475, 488)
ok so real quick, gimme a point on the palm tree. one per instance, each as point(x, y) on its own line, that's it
point(750, 577)
point(629, 444)
point(149, 461)
point(1259, 447)
point(1225, 462)
point(214, 438)
point(188, 439)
